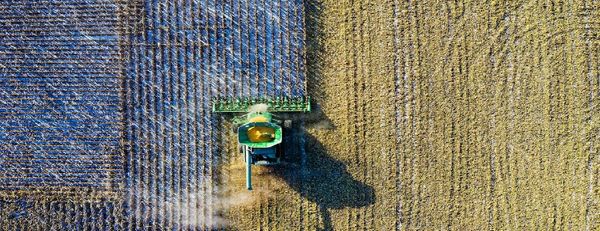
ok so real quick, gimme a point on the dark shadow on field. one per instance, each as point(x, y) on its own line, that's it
point(314, 173)
point(320, 178)
point(307, 167)
point(316, 119)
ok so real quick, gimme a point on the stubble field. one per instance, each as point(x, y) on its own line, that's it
point(439, 115)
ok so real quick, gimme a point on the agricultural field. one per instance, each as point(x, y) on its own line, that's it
point(471, 115)
point(443, 115)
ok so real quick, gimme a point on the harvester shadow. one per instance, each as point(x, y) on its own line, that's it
point(320, 178)
point(313, 173)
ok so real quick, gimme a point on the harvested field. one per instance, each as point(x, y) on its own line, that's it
point(462, 116)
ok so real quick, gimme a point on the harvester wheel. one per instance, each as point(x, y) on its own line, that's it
point(241, 148)
point(287, 124)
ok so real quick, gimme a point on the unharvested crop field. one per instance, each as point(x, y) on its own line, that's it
point(428, 115)
point(466, 115)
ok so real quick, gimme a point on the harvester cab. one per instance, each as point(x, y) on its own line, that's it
point(259, 132)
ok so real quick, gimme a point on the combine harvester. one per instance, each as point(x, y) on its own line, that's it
point(259, 132)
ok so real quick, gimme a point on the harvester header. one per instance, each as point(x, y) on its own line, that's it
point(277, 104)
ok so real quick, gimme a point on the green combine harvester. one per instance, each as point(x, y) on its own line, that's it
point(259, 132)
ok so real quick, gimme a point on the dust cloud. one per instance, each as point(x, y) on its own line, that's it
point(261, 107)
